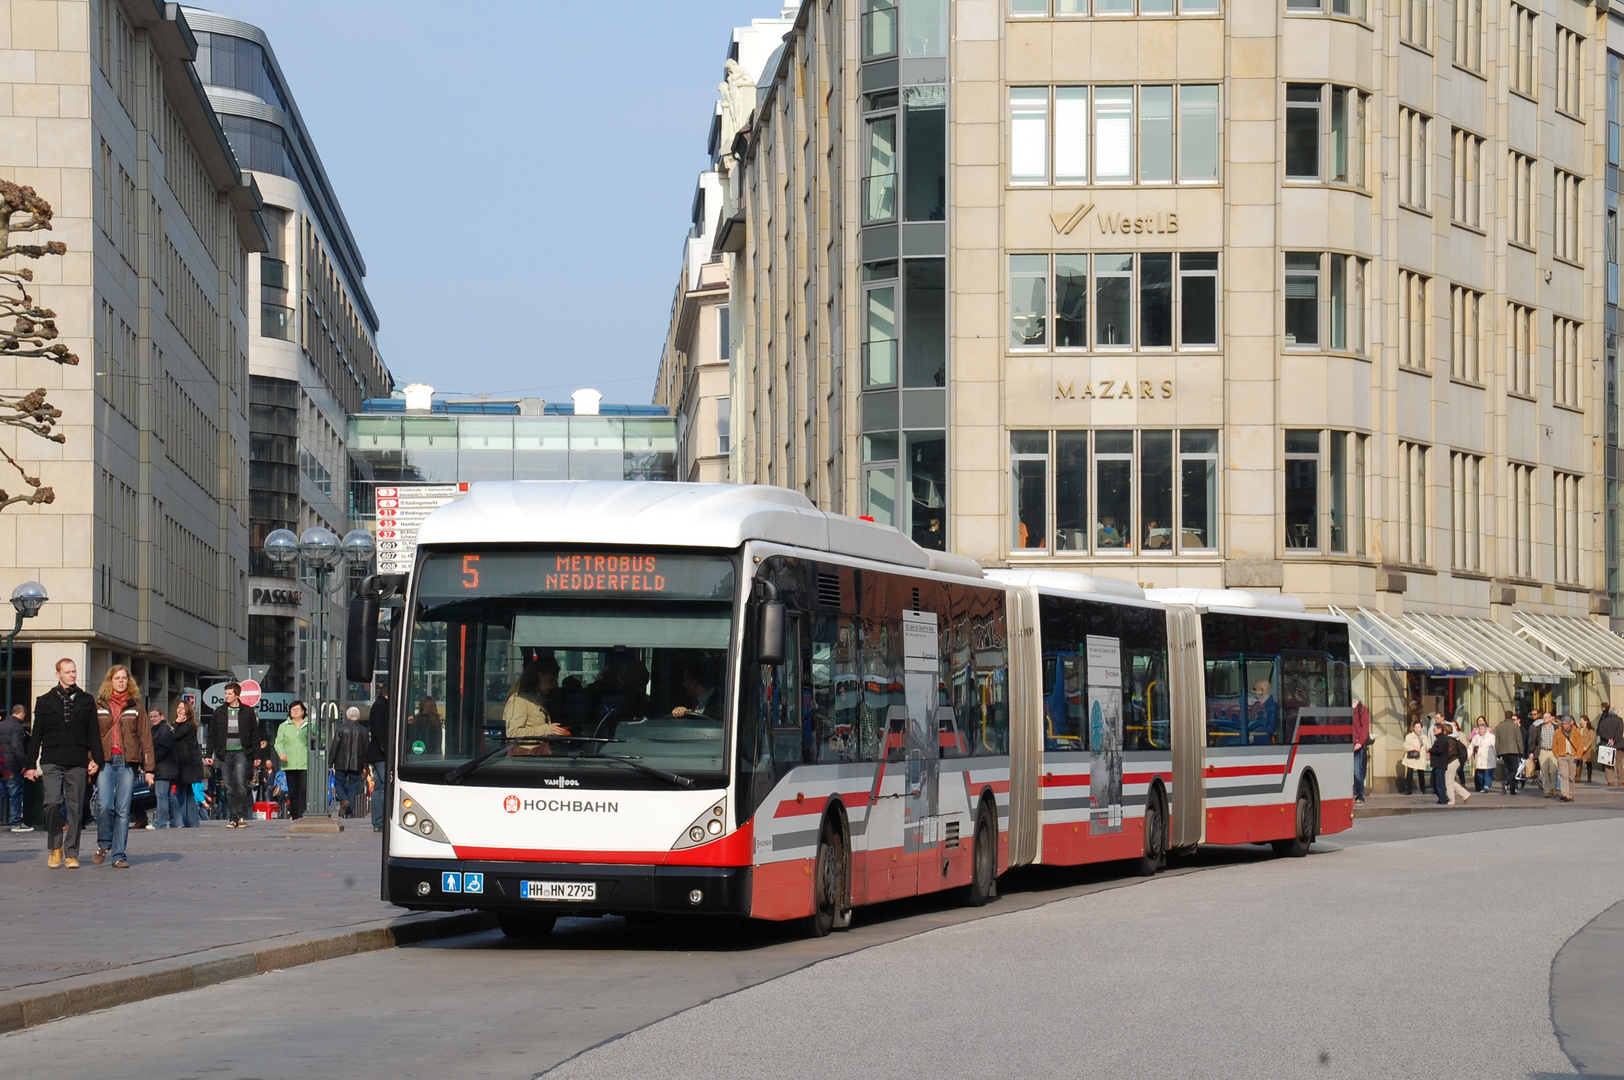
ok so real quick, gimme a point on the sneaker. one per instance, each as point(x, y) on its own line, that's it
point(232, 824)
point(100, 856)
point(151, 826)
point(71, 863)
point(22, 828)
point(121, 864)
point(55, 859)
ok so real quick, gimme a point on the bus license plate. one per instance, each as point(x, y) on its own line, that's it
point(558, 890)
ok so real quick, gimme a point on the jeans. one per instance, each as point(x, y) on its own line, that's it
point(114, 783)
point(1359, 757)
point(380, 793)
point(296, 792)
point(349, 788)
point(11, 799)
point(239, 773)
point(188, 809)
point(1440, 781)
point(64, 802)
point(169, 804)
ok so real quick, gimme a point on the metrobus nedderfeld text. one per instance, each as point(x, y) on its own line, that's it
point(717, 699)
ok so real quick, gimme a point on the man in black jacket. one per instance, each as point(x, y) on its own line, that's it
point(348, 755)
point(13, 735)
point(64, 749)
point(1610, 732)
point(234, 742)
point(378, 757)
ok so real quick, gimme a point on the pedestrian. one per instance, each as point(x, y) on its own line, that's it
point(1567, 747)
point(64, 749)
point(1545, 735)
point(293, 751)
point(165, 769)
point(1412, 775)
point(1508, 743)
point(1482, 747)
point(189, 761)
point(1459, 756)
point(1588, 762)
point(1442, 753)
point(349, 758)
point(13, 734)
point(234, 742)
point(378, 756)
point(126, 740)
point(1610, 733)
point(1361, 749)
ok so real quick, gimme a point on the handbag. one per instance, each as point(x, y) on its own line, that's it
point(1604, 755)
point(1412, 755)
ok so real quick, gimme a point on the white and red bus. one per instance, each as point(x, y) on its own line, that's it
point(646, 697)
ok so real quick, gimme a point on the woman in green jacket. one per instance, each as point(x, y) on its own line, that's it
point(293, 751)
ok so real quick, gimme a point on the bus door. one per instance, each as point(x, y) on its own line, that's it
point(921, 735)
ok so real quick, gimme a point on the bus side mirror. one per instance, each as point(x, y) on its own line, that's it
point(770, 633)
point(361, 636)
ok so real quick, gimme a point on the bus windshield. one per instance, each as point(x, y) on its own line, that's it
point(592, 669)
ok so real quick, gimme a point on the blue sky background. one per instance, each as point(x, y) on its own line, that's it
point(518, 173)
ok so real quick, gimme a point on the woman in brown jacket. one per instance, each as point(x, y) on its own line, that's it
point(127, 744)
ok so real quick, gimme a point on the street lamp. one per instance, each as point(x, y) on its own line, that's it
point(321, 552)
point(27, 598)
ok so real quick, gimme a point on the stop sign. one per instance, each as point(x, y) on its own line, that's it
point(249, 693)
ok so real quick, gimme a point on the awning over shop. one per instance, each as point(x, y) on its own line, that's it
point(1488, 647)
point(1376, 639)
point(1582, 644)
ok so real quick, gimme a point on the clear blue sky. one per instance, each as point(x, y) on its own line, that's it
point(518, 173)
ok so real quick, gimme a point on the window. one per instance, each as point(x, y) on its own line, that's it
point(1347, 501)
point(880, 175)
point(1415, 23)
point(1113, 134)
point(724, 334)
point(1412, 503)
point(1520, 199)
point(1353, 9)
point(724, 425)
point(1302, 489)
point(1569, 71)
point(1469, 34)
point(1347, 304)
point(880, 335)
point(1170, 299)
point(1565, 530)
point(1522, 31)
point(1151, 492)
point(1565, 223)
point(1465, 334)
point(879, 29)
point(1414, 320)
point(1325, 133)
point(1466, 208)
point(1466, 500)
point(1565, 362)
point(1522, 345)
point(1414, 158)
point(1325, 492)
point(1302, 299)
point(1520, 533)
point(1105, 8)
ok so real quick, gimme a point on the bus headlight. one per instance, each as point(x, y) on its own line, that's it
point(706, 827)
point(409, 819)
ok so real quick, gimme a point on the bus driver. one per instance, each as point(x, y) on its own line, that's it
point(699, 688)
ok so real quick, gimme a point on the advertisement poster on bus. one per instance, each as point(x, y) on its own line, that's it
point(1105, 733)
point(921, 677)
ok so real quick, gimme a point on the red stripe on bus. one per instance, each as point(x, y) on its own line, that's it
point(734, 849)
point(817, 804)
point(1247, 770)
point(1065, 780)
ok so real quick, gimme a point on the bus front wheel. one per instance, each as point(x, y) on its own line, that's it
point(1307, 824)
point(828, 884)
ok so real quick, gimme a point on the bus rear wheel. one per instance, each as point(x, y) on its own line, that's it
point(1307, 825)
point(1154, 860)
point(983, 862)
point(525, 926)
point(828, 884)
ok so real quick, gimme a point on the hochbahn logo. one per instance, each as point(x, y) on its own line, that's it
point(513, 804)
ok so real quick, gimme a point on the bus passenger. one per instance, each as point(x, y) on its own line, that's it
point(525, 714)
point(1262, 713)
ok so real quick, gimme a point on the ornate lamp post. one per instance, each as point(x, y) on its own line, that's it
point(27, 598)
point(319, 552)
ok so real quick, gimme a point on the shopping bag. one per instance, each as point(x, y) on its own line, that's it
point(1604, 755)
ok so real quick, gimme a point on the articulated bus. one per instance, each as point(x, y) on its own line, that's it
point(618, 698)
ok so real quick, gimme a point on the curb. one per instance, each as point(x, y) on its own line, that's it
point(30, 1006)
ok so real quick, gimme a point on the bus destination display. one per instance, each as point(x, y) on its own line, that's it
point(663, 576)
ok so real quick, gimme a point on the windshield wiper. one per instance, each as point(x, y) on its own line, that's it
point(658, 774)
point(457, 774)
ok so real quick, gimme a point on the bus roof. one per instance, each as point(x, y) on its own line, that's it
point(1070, 581)
point(1235, 601)
point(639, 513)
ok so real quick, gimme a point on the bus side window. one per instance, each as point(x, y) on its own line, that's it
point(1224, 700)
point(790, 713)
point(1262, 701)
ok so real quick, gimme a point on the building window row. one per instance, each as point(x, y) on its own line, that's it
point(1151, 492)
point(1520, 198)
point(1413, 534)
point(1569, 71)
point(1144, 300)
point(1522, 30)
point(1469, 34)
point(1325, 492)
point(1465, 334)
point(1326, 133)
point(1466, 499)
point(1119, 8)
point(1322, 314)
point(911, 27)
point(1414, 159)
point(916, 163)
point(904, 332)
point(1565, 224)
point(1466, 162)
point(1414, 320)
point(1352, 9)
point(1415, 23)
point(1520, 531)
point(1522, 345)
point(1565, 362)
point(1565, 533)
point(1114, 134)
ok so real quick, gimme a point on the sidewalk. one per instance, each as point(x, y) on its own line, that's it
point(196, 906)
point(1589, 796)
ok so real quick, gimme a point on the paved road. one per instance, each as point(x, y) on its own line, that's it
point(1240, 966)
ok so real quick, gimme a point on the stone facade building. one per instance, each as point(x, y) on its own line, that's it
point(144, 551)
point(1313, 296)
